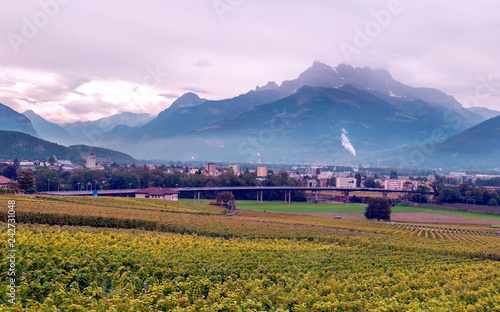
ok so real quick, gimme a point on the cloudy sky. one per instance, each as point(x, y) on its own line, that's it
point(82, 60)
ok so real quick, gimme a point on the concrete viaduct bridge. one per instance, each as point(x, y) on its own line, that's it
point(258, 189)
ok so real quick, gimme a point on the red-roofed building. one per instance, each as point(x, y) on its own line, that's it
point(4, 182)
point(157, 192)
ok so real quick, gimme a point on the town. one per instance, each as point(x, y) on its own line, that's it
point(95, 174)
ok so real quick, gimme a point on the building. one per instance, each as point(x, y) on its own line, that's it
point(4, 182)
point(26, 165)
point(91, 161)
point(312, 183)
point(325, 174)
point(400, 184)
point(235, 169)
point(312, 171)
point(211, 169)
point(193, 171)
point(157, 192)
point(345, 182)
point(261, 172)
point(343, 174)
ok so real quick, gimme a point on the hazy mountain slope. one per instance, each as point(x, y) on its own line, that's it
point(479, 140)
point(485, 112)
point(47, 130)
point(93, 131)
point(102, 154)
point(185, 102)
point(306, 125)
point(380, 83)
point(477, 147)
point(10, 120)
point(186, 119)
point(24, 146)
point(318, 115)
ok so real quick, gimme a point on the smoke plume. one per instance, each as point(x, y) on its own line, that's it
point(346, 143)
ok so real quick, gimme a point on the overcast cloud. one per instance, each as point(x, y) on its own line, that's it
point(88, 59)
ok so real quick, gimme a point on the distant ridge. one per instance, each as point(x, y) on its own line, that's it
point(14, 144)
point(10, 120)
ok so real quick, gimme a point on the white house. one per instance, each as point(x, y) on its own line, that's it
point(400, 184)
point(4, 182)
point(158, 193)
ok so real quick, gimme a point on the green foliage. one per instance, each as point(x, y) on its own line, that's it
point(378, 208)
point(370, 182)
point(10, 172)
point(26, 181)
point(493, 202)
point(224, 197)
point(6, 191)
point(448, 195)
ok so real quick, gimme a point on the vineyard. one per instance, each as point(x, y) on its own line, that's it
point(124, 254)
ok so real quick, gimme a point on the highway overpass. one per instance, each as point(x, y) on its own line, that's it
point(258, 189)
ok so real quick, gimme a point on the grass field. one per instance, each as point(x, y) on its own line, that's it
point(302, 207)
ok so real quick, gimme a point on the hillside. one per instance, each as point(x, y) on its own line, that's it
point(380, 83)
point(102, 154)
point(317, 118)
point(307, 125)
point(184, 119)
point(10, 120)
point(485, 112)
point(24, 146)
point(19, 145)
point(47, 130)
point(477, 146)
point(81, 131)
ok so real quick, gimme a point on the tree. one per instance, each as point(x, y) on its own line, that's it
point(224, 197)
point(448, 195)
point(10, 172)
point(227, 199)
point(493, 202)
point(369, 182)
point(51, 160)
point(394, 175)
point(378, 208)
point(26, 181)
point(358, 179)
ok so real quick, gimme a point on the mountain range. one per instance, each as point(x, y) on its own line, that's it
point(313, 117)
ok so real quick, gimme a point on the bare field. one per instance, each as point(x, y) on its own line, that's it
point(415, 217)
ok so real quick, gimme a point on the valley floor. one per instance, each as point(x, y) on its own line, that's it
point(126, 254)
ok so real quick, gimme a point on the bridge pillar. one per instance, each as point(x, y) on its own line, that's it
point(289, 196)
point(199, 197)
point(346, 195)
point(261, 195)
point(257, 197)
